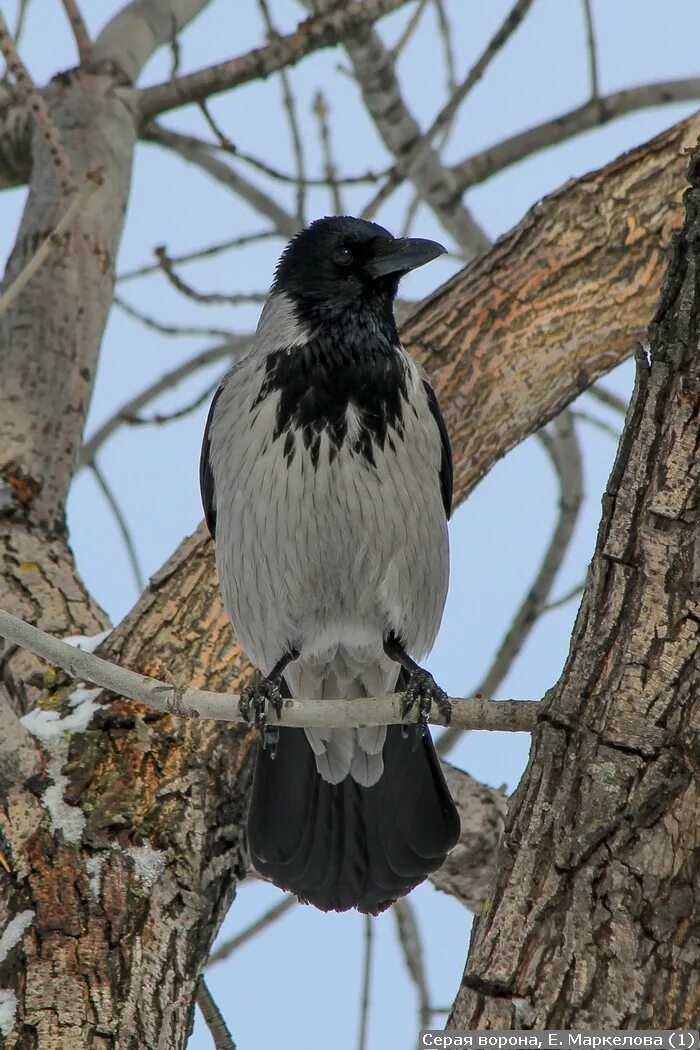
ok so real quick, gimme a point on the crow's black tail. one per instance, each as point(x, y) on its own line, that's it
point(341, 846)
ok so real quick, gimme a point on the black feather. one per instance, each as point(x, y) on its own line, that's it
point(341, 846)
point(206, 478)
point(446, 469)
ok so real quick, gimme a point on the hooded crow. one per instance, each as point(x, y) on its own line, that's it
point(326, 478)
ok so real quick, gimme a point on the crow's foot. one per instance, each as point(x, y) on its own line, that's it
point(424, 691)
point(252, 706)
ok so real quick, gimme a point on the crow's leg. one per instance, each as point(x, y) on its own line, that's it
point(422, 689)
point(254, 699)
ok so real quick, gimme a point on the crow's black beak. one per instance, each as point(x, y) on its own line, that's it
point(401, 255)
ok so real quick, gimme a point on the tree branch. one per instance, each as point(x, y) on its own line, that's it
point(139, 29)
point(516, 716)
point(228, 350)
point(80, 33)
point(592, 114)
point(313, 34)
point(218, 1029)
point(37, 105)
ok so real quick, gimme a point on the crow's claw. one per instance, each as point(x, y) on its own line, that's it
point(253, 702)
point(422, 690)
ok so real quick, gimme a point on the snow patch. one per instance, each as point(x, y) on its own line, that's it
point(13, 932)
point(8, 1010)
point(94, 867)
point(87, 642)
point(51, 729)
point(148, 863)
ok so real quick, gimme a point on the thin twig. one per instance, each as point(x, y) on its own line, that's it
point(267, 919)
point(366, 983)
point(409, 30)
point(200, 253)
point(312, 35)
point(201, 153)
point(225, 144)
point(606, 397)
point(320, 108)
point(231, 349)
point(167, 266)
point(22, 9)
point(481, 166)
point(565, 598)
point(447, 37)
point(497, 42)
point(218, 1029)
point(412, 947)
point(37, 106)
point(167, 329)
point(594, 421)
point(592, 50)
point(181, 700)
point(80, 33)
point(93, 180)
point(292, 119)
point(123, 527)
point(160, 419)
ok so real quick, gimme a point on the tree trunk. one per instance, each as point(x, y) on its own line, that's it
point(594, 920)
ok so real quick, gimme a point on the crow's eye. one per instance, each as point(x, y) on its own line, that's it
point(343, 257)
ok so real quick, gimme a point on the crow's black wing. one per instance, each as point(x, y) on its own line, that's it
point(206, 478)
point(446, 472)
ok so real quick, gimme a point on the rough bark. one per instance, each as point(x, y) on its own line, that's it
point(595, 916)
point(124, 850)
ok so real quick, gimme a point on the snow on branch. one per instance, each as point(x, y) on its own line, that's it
point(475, 713)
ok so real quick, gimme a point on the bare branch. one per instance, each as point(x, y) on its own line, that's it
point(80, 33)
point(505, 715)
point(233, 943)
point(198, 253)
point(599, 424)
point(200, 153)
point(122, 526)
point(412, 947)
point(161, 418)
point(230, 349)
point(321, 110)
point(592, 50)
point(168, 268)
point(607, 397)
point(166, 329)
point(565, 453)
point(313, 34)
point(37, 106)
point(366, 983)
point(292, 120)
point(213, 1017)
point(592, 114)
point(139, 28)
point(401, 134)
point(568, 596)
point(409, 30)
point(498, 41)
point(94, 180)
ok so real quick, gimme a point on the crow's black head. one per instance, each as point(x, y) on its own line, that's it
point(340, 261)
